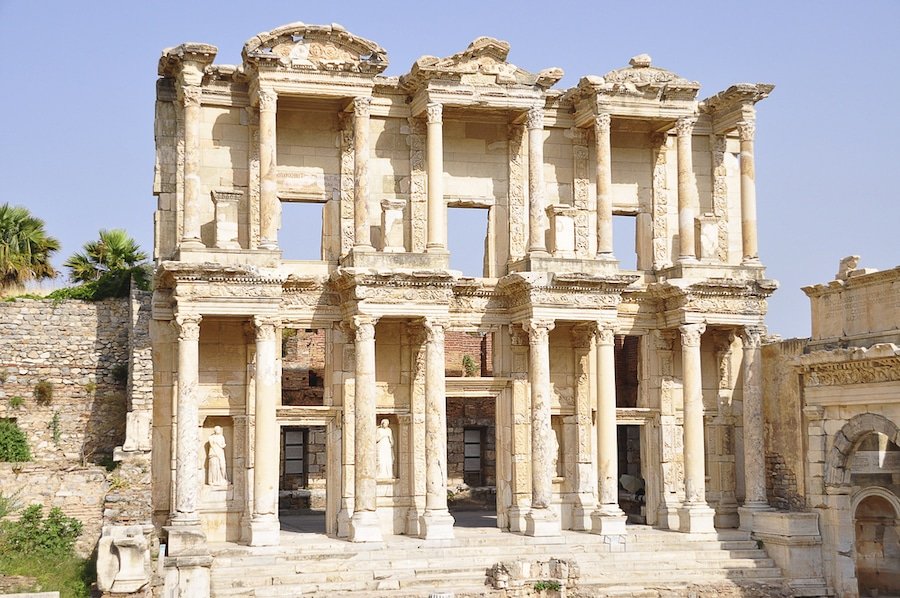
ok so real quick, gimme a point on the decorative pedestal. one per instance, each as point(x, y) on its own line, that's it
point(364, 527)
point(542, 523)
point(265, 532)
point(608, 524)
point(437, 525)
point(696, 519)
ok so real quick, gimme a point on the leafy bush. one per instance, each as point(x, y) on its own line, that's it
point(34, 534)
point(9, 504)
point(13, 443)
point(16, 401)
point(469, 366)
point(547, 584)
point(116, 283)
point(43, 392)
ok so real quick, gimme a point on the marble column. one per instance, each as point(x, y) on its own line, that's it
point(608, 519)
point(688, 200)
point(268, 180)
point(541, 520)
point(695, 515)
point(437, 523)
point(437, 208)
point(747, 131)
point(264, 525)
point(604, 186)
point(187, 446)
point(362, 238)
point(754, 457)
point(364, 525)
point(190, 238)
point(536, 195)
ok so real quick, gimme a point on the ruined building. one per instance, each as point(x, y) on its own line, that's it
point(584, 365)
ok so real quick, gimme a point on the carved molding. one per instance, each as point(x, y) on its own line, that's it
point(853, 372)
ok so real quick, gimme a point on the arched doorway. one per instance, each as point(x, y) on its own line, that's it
point(877, 544)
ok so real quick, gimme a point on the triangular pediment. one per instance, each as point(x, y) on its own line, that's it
point(482, 63)
point(302, 47)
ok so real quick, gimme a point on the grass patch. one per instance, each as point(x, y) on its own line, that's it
point(70, 575)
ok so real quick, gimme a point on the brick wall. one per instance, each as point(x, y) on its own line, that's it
point(459, 344)
point(476, 413)
point(303, 367)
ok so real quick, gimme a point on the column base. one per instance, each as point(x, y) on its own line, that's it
point(542, 523)
point(185, 540)
point(696, 518)
point(268, 245)
point(608, 520)
point(437, 525)
point(581, 518)
point(265, 532)
point(191, 243)
point(538, 253)
point(364, 527)
point(688, 259)
point(746, 513)
point(437, 249)
point(363, 249)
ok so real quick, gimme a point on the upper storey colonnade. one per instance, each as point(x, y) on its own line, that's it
point(585, 138)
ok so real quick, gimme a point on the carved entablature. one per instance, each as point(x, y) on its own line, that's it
point(530, 292)
point(479, 73)
point(472, 298)
point(880, 363)
point(639, 89)
point(383, 293)
point(216, 283)
point(308, 292)
point(735, 105)
point(196, 57)
point(718, 301)
point(311, 48)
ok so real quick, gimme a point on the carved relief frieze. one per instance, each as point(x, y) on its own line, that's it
point(418, 194)
point(254, 180)
point(660, 212)
point(852, 372)
point(346, 185)
point(518, 181)
point(720, 193)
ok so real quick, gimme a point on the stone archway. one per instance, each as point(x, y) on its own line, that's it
point(876, 514)
point(837, 470)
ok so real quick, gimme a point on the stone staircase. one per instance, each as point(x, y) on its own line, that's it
point(651, 563)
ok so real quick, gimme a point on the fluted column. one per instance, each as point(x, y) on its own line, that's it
point(536, 199)
point(754, 457)
point(437, 208)
point(364, 522)
point(437, 523)
point(362, 230)
point(604, 186)
point(264, 526)
point(541, 520)
point(747, 131)
point(608, 519)
point(687, 190)
point(694, 514)
point(190, 238)
point(187, 446)
point(268, 181)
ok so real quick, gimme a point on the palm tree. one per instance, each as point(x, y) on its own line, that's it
point(115, 251)
point(25, 249)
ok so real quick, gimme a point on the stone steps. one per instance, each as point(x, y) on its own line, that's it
point(405, 567)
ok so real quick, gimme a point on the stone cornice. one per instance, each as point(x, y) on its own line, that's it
point(173, 59)
point(739, 95)
point(638, 80)
point(854, 281)
point(170, 273)
point(879, 363)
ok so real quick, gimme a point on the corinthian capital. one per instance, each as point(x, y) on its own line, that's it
point(265, 327)
point(685, 126)
point(434, 329)
point(602, 122)
point(364, 326)
point(691, 333)
point(187, 326)
point(191, 95)
point(746, 130)
point(535, 118)
point(605, 333)
point(751, 336)
point(362, 106)
point(538, 330)
point(434, 112)
point(268, 99)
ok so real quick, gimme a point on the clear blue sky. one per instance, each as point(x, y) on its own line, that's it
point(78, 91)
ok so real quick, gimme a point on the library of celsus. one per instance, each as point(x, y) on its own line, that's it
point(577, 383)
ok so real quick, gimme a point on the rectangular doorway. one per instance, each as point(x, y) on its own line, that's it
point(632, 488)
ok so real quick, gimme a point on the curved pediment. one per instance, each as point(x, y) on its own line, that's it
point(640, 79)
point(303, 47)
point(483, 62)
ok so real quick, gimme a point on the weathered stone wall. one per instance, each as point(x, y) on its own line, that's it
point(784, 424)
point(465, 413)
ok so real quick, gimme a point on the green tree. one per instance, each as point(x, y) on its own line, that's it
point(25, 249)
point(114, 251)
point(105, 268)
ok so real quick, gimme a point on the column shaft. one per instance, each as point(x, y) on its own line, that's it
point(694, 452)
point(438, 523)
point(187, 446)
point(536, 199)
point(437, 209)
point(268, 181)
point(754, 457)
point(687, 190)
point(362, 230)
point(364, 523)
point(604, 185)
point(607, 442)
point(191, 216)
point(747, 130)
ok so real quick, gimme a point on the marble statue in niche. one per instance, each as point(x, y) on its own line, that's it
point(215, 465)
point(384, 450)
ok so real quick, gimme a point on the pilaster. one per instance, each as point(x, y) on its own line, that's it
point(754, 440)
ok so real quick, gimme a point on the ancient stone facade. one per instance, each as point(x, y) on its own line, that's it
point(307, 117)
point(842, 389)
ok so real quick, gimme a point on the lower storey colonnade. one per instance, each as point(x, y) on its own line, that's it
point(558, 448)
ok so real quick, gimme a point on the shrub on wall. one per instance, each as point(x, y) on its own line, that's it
point(13, 444)
point(43, 392)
